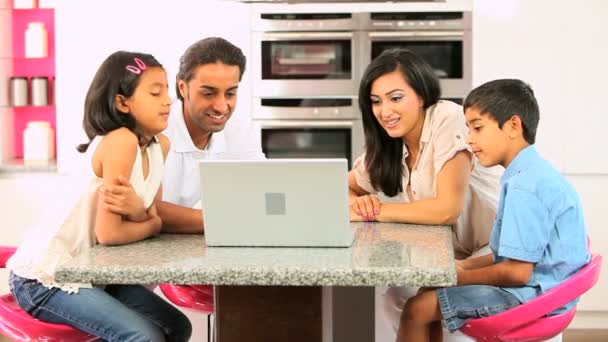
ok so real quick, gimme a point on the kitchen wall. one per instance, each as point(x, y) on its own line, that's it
point(559, 47)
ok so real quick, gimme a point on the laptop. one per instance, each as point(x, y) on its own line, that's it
point(276, 203)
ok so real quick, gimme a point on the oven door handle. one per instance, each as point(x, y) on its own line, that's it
point(306, 124)
point(307, 35)
point(397, 34)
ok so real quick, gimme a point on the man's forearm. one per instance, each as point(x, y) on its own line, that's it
point(179, 219)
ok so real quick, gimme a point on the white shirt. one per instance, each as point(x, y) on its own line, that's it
point(444, 134)
point(67, 227)
point(181, 180)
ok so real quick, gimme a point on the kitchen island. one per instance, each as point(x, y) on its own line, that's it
point(277, 294)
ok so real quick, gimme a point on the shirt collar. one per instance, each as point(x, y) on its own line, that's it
point(520, 162)
point(181, 140)
point(425, 135)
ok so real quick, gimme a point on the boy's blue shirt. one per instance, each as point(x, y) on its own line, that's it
point(539, 219)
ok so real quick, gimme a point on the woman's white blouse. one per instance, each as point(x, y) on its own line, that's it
point(444, 134)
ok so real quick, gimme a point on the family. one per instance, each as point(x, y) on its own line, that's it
point(516, 234)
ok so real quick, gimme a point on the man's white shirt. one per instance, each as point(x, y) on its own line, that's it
point(181, 180)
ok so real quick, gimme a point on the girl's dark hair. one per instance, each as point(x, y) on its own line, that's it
point(208, 51)
point(113, 78)
point(383, 154)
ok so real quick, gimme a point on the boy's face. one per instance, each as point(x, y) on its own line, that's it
point(489, 142)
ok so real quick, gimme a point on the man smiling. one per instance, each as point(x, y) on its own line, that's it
point(207, 83)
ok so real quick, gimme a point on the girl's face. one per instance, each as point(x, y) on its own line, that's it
point(150, 103)
point(396, 106)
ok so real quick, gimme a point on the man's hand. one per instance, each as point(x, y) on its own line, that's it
point(121, 199)
point(365, 207)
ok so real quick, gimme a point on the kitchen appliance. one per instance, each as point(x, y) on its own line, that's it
point(309, 127)
point(304, 54)
point(443, 39)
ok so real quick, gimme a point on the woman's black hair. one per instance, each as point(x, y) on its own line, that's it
point(119, 74)
point(383, 154)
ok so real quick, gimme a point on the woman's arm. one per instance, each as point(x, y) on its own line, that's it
point(112, 228)
point(363, 207)
point(445, 208)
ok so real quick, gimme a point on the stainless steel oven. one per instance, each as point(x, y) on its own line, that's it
point(305, 54)
point(315, 127)
point(443, 39)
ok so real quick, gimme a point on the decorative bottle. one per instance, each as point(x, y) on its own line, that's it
point(36, 40)
point(38, 143)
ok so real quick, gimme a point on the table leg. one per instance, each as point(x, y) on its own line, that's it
point(268, 313)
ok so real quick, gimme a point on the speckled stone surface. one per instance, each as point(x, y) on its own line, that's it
point(383, 254)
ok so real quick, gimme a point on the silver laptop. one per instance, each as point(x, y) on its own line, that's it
point(276, 202)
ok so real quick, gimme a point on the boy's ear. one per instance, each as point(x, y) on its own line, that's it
point(120, 102)
point(516, 128)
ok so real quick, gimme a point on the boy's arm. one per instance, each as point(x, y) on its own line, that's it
point(477, 262)
point(507, 273)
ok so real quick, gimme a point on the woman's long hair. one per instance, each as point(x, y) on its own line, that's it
point(383, 154)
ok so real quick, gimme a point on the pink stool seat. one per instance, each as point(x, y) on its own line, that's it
point(529, 322)
point(196, 297)
point(20, 326)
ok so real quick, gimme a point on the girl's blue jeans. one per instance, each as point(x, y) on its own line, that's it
point(125, 313)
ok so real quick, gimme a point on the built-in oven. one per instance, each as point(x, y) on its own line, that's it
point(443, 39)
point(304, 54)
point(315, 127)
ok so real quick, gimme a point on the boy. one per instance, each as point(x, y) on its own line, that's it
point(539, 237)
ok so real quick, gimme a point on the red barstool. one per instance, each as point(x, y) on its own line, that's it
point(18, 325)
point(195, 297)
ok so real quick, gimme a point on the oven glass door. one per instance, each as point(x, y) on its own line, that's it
point(306, 59)
point(307, 142)
point(444, 56)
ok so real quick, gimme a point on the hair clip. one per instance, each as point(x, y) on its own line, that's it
point(141, 66)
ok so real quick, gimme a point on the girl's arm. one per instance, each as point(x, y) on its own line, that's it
point(508, 273)
point(121, 198)
point(115, 156)
point(445, 208)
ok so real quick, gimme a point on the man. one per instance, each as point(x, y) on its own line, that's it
point(207, 83)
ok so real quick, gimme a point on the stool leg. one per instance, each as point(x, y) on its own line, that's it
point(209, 328)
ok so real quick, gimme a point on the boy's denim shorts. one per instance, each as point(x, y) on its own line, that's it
point(461, 303)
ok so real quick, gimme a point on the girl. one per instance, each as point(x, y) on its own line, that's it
point(126, 108)
point(417, 155)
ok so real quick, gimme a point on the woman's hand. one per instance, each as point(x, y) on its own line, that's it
point(121, 199)
point(365, 207)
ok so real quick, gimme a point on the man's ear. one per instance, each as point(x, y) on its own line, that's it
point(120, 102)
point(182, 88)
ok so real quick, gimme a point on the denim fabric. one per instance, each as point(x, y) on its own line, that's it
point(459, 304)
point(125, 313)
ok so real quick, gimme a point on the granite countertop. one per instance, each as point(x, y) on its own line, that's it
point(383, 254)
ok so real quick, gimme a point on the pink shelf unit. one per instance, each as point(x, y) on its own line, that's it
point(30, 67)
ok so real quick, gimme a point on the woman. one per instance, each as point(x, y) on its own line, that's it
point(417, 166)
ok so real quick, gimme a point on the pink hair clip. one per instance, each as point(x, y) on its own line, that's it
point(141, 66)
